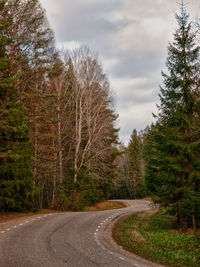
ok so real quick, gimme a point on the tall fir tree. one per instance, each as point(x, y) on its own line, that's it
point(32, 52)
point(16, 177)
point(135, 165)
point(151, 161)
point(177, 132)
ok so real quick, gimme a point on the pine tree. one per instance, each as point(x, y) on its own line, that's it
point(135, 165)
point(151, 158)
point(32, 52)
point(177, 135)
point(16, 177)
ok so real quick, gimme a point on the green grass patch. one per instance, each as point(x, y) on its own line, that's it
point(154, 237)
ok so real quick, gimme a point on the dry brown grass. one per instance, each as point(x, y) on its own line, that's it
point(7, 216)
point(106, 205)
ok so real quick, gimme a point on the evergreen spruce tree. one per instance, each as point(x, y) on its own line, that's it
point(32, 54)
point(16, 178)
point(152, 160)
point(135, 159)
point(177, 135)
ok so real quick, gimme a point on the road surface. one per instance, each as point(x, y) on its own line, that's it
point(64, 239)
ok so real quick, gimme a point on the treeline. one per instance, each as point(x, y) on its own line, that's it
point(172, 144)
point(164, 160)
point(57, 119)
point(129, 179)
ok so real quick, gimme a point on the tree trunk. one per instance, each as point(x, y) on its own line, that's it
point(35, 144)
point(59, 135)
point(54, 169)
point(194, 226)
point(178, 213)
point(53, 193)
point(79, 115)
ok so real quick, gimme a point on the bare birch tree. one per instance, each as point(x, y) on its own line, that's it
point(93, 119)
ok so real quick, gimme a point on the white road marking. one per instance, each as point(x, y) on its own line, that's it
point(97, 240)
point(33, 219)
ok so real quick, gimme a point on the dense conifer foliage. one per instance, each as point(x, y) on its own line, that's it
point(16, 177)
point(58, 141)
point(172, 145)
point(129, 169)
point(136, 179)
point(56, 117)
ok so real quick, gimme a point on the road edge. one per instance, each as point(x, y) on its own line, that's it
point(106, 240)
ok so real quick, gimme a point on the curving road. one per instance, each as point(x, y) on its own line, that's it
point(63, 239)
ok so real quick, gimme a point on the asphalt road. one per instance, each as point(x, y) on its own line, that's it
point(63, 239)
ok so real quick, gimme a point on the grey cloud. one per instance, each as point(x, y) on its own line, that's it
point(137, 64)
point(138, 95)
point(83, 20)
point(136, 98)
point(84, 30)
point(131, 123)
point(130, 34)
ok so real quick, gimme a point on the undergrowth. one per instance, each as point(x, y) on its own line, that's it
point(155, 237)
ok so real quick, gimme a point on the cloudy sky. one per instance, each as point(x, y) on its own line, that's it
point(131, 37)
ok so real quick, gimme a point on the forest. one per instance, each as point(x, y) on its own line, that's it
point(57, 119)
point(59, 145)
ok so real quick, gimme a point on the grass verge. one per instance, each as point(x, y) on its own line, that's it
point(151, 235)
point(106, 205)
